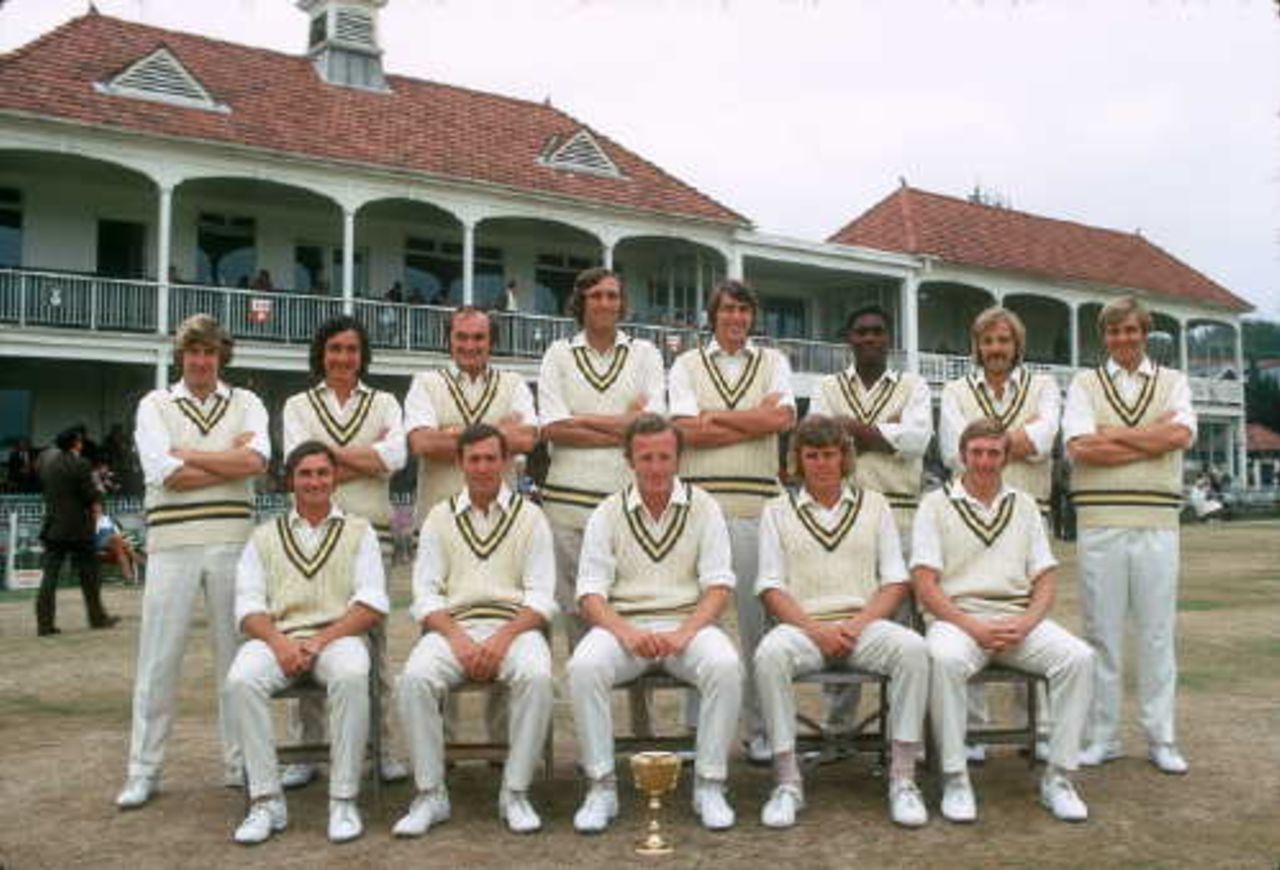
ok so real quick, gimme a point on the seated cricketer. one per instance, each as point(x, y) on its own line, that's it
point(832, 576)
point(483, 592)
point(308, 585)
point(985, 576)
point(653, 578)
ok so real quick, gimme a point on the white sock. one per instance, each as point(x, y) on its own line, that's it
point(902, 760)
point(786, 771)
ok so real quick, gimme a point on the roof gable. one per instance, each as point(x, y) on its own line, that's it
point(160, 76)
point(581, 153)
point(958, 231)
point(277, 103)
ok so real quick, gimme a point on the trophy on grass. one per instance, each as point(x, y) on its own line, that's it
point(656, 774)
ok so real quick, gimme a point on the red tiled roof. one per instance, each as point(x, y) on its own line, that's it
point(958, 231)
point(278, 102)
point(1260, 439)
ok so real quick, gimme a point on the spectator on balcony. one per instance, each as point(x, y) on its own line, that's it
point(1027, 405)
point(201, 443)
point(1126, 425)
point(22, 468)
point(262, 281)
point(364, 431)
point(732, 400)
point(889, 418)
point(69, 501)
point(509, 301)
point(395, 293)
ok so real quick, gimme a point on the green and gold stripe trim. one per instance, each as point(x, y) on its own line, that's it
point(309, 566)
point(765, 487)
point(584, 498)
point(601, 381)
point(1147, 498)
point(484, 545)
point(202, 421)
point(196, 511)
point(732, 395)
point(829, 538)
point(988, 407)
point(341, 432)
point(1130, 415)
point(902, 500)
point(870, 411)
point(471, 414)
point(487, 610)
point(658, 548)
point(987, 532)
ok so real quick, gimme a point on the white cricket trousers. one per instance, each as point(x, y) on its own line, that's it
point(709, 663)
point(1049, 649)
point(884, 647)
point(174, 577)
point(432, 670)
point(744, 546)
point(1124, 570)
point(343, 669)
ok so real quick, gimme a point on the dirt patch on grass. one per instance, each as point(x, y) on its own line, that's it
point(64, 730)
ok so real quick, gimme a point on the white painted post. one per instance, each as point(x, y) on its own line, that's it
point(164, 222)
point(1075, 335)
point(735, 267)
point(348, 260)
point(910, 321)
point(1183, 360)
point(162, 367)
point(11, 553)
point(606, 255)
point(699, 290)
point(468, 263)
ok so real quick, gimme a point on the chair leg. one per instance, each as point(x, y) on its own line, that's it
point(1033, 724)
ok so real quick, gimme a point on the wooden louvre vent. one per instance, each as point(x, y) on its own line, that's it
point(161, 76)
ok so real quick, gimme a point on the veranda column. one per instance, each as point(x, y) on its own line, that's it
point(468, 263)
point(909, 321)
point(735, 266)
point(1075, 335)
point(164, 224)
point(348, 260)
point(606, 255)
point(1182, 347)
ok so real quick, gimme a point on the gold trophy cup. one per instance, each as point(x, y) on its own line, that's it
point(656, 774)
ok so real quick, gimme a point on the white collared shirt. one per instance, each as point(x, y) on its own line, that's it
point(152, 437)
point(651, 381)
point(597, 567)
point(1078, 418)
point(391, 448)
point(909, 435)
point(431, 568)
point(1041, 432)
point(368, 582)
point(773, 571)
point(926, 536)
point(683, 399)
point(420, 413)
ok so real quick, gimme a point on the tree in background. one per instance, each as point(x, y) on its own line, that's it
point(1261, 340)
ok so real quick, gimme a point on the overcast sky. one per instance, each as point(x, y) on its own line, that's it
point(1159, 115)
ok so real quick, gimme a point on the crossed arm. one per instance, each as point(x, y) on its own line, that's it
point(723, 428)
point(1120, 445)
point(594, 430)
point(442, 443)
point(201, 468)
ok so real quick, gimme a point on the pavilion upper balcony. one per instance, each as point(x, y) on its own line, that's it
point(95, 304)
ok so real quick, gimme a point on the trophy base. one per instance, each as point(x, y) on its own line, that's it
point(655, 846)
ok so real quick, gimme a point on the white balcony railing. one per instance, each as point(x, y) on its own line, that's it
point(75, 301)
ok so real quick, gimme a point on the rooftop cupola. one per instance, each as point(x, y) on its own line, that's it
point(343, 42)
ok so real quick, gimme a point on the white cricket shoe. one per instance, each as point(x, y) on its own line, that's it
point(782, 806)
point(599, 808)
point(265, 817)
point(428, 808)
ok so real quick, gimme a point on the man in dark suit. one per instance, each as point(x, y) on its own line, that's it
point(69, 497)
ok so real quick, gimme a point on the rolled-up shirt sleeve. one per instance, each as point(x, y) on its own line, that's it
point(772, 569)
point(539, 580)
point(392, 448)
point(1040, 556)
point(715, 563)
point(522, 405)
point(1077, 415)
point(255, 421)
point(681, 399)
point(926, 538)
point(910, 435)
point(429, 571)
point(152, 440)
point(1180, 402)
point(782, 379)
point(251, 584)
point(552, 407)
point(293, 430)
point(370, 582)
point(596, 565)
point(950, 424)
point(653, 379)
point(889, 560)
point(1044, 429)
point(419, 413)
